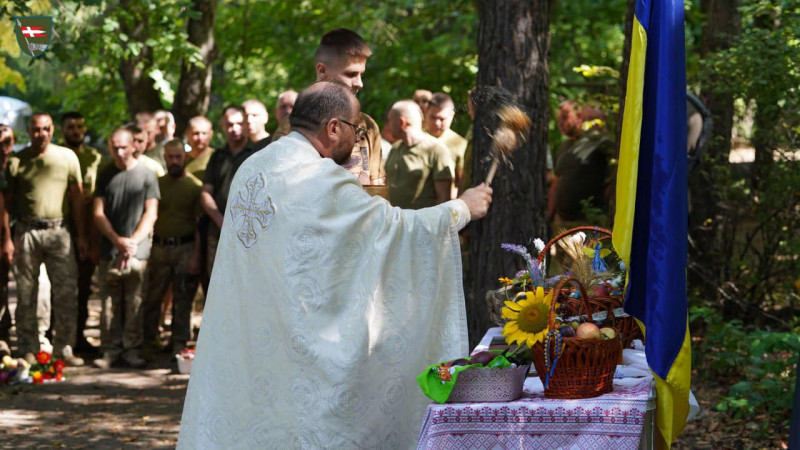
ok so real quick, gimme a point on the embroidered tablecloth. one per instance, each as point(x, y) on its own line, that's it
point(614, 420)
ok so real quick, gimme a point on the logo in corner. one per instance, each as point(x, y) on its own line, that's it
point(33, 33)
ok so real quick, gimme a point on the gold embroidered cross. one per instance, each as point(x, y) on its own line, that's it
point(454, 216)
point(251, 212)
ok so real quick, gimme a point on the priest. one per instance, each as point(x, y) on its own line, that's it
point(326, 302)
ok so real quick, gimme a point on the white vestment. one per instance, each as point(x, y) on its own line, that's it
point(325, 304)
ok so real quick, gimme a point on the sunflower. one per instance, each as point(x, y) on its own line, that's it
point(528, 317)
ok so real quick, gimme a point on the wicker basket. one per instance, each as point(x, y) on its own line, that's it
point(485, 384)
point(626, 327)
point(585, 367)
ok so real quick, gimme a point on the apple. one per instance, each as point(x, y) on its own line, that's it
point(600, 291)
point(608, 332)
point(588, 331)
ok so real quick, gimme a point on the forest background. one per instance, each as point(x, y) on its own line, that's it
point(110, 59)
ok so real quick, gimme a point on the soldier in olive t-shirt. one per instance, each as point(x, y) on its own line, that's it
point(38, 183)
point(412, 170)
point(175, 258)
point(39, 180)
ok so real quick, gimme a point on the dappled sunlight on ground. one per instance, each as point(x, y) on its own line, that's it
point(96, 409)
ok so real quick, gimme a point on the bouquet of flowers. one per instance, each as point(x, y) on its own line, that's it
point(13, 370)
point(47, 370)
point(44, 370)
point(528, 312)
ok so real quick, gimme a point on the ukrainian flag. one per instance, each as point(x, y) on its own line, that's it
point(650, 226)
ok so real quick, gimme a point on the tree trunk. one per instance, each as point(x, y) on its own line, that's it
point(139, 87)
point(194, 89)
point(513, 44)
point(721, 28)
point(767, 114)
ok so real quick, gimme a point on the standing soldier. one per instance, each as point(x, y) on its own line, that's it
point(125, 208)
point(176, 249)
point(73, 130)
point(6, 148)
point(438, 118)
point(148, 122)
point(198, 136)
point(221, 168)
point(139, 145)
point(257, 117)
point(39, 179)
point(342, 56)
point(285, 104)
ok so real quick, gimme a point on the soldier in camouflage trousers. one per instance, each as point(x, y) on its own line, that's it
point(6, 148)
point(38, 180)
point(175, 256)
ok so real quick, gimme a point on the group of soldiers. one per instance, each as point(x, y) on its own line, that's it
point(148, 215)
point(134, 215)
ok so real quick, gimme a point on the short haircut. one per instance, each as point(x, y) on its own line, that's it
point(196, 120)
point(422, 94)
point(177, 143)
point(71, 115)
point(285, 93)
point(121, 130)
point(339, 44)
point(144, 116)
point(319, 103)
point(133, 128)
point(257, 103)
point(38, 114)
point(236, 108)
point(163, 113)
point(409, 110)
point(441, 100)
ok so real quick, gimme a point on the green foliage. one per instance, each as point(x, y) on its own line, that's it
point(763, 65)
point(586, 41)
point(264, 47)
point(756, 262)
point(760, 363)
point(430, 45)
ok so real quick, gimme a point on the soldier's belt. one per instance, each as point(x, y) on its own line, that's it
point(173, 241)
point(42, 224)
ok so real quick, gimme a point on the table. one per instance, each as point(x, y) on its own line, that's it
point(622, 419)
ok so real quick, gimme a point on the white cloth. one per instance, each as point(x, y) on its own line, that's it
point(324, 305)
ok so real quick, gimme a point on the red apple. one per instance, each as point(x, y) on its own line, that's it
point(588, 331)
point(600, 291)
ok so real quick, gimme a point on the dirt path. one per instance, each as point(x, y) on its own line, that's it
point(117, 408)
point(94, 408)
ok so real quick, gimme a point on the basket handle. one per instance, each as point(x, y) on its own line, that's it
point(560, 236)
point(585, 298)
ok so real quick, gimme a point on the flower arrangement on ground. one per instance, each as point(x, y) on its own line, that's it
point(44, 370)
point(47, 370)
point(13, 370)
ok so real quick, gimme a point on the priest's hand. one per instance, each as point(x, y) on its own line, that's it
point(477, 200)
